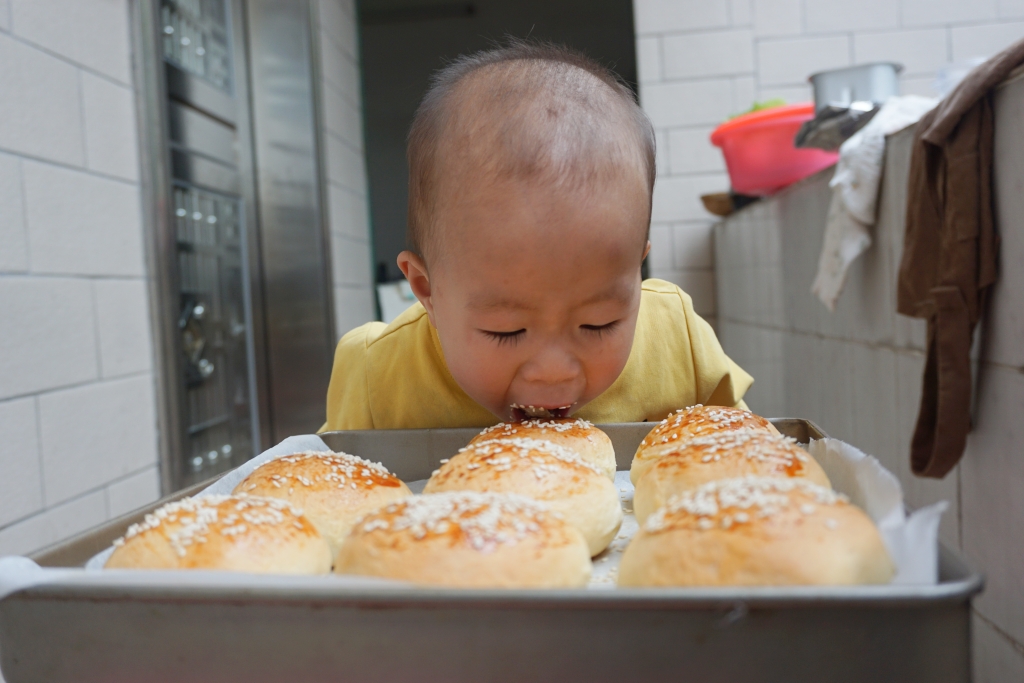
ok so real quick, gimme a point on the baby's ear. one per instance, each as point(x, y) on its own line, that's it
point(647, 250)
point(415, 271)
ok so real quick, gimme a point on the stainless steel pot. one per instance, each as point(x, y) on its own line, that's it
point(875, 82)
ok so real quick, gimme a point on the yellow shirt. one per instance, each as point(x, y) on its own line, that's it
point(395, 377)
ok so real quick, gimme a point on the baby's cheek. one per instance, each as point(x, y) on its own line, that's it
point(604, 364)
point(482, 372)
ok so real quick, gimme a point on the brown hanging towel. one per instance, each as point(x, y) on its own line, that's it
point(950, 254)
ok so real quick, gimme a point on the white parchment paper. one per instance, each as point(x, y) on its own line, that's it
point(912, 540)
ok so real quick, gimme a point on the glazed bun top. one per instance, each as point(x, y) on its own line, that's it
point(756, 531)
point(580, 436)
point(332, 489)
point(685, 424)
point(468, 539)
point(239, 533)
point(536, 468)
point(725, 455)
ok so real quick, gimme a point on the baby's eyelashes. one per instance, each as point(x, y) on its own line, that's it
point(601, 329)
point(505, 337)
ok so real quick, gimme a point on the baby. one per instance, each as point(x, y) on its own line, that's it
point(531, 170)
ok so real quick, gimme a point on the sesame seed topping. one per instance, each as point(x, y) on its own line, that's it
point(194, 517)
point(744, 496)
point(485, 519)
point(498, 453)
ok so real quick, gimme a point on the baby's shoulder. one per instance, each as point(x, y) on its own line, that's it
point(665, 296)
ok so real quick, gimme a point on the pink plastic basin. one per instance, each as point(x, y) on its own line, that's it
point(759, 152)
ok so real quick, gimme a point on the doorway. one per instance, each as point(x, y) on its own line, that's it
point(404, 42)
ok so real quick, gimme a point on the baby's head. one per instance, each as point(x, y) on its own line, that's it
point(530, 177)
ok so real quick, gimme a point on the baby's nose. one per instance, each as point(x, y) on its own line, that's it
point(552, 366)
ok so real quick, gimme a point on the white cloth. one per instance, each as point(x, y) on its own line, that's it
point(855, 183)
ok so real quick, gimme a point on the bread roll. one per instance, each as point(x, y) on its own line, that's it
point(589, 442)
point(687, 423)
point(332, 489)
point(725, 455)
point(756, 531)
point(237, 533)
point(468, 540)
point(540, 470)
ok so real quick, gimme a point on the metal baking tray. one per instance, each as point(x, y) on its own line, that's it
point(306, 629)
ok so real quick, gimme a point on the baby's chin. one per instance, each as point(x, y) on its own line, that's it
point(519, 412)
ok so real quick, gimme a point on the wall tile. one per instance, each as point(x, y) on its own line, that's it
point(741, 12)
point(132, 492)
point(712, 53)
point(1010, 9)
point(648, 59)
point(110, 140)
point(995, 658)
point(350, 262)
point(992, 512)
point(692, 151)
point(39, 104)
point(52, 525)
point(743, 93)
point(93, 33)
point(13, 239)
point(921, 491)
point(790, 62)
point(984, 41)
point(47, 338)
point(677, 198)
point(1005, 320)
point(827, 16)
point(778, 17)
point(692, 246)
point(662, 153)
point(348, 213)
point(937, 12)
point(353, 307)
point(341, 72)
point(688, 103)
point(114, 428)
point(345, 165)
point(123, 327)
point(81, 224)
point(873, 384)
point(5, 19)
point(342, 118)
point(920, 51)
point(659, 16)
point(339, 26)
point(660, 258)
point(790, 95)
point(21, 486)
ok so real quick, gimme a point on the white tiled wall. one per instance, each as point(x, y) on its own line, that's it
point(701, 60)
point(347, 202)
point(77, 405)
point(858, 372)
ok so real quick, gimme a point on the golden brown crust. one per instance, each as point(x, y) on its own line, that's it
point(725, 455)
point(468, 540)
point(756, 531)
point(540, 470)
point(332, 489)
point(592, 444)
point(688, 423)
point(238, 533)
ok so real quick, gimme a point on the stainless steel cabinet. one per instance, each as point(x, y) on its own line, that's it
point(239, 255)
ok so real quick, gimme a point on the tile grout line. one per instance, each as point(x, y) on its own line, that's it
point(69, 61)
point(68, 167)
point(78, 385)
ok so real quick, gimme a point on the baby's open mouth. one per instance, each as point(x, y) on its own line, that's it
point(521, 412)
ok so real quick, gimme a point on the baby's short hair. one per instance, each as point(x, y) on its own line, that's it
point(551, 112)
